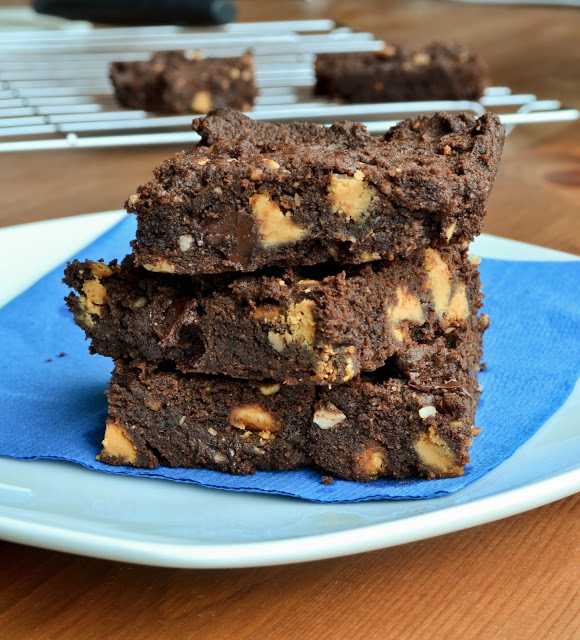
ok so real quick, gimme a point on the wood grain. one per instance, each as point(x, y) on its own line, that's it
point(518, 578)
point(513, 579)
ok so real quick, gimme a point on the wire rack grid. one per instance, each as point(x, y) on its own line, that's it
point(55, 91)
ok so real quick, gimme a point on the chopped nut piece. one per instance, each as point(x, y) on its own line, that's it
point(270, 388)
point(133, 200)
point(427, 412)
point(275, 226)
point(101, 270)
point(446, 150)
point(328, 417)
point(154, 404)
point(212, 431)
point(160, 265)
point(349, 371)
point(271, 163)
point(474, 260)
point(185, 242)
point(365, 256)
point(277, 341)
point(140, 302)
point(450, 230)
point(253, 417)
point(219, 457)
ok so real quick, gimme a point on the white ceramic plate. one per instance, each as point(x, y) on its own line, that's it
point(66, 507)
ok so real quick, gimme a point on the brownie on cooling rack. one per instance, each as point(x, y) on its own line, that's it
point(298, 326)
point(183, 82)
point(254, 194)
point(438, 71)
point(413, 418)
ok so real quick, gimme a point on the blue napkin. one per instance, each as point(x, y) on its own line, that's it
point(52, 403)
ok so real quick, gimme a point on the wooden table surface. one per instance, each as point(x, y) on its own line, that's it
point(515, 578)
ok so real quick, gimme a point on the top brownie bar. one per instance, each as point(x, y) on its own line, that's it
point(255, 194)
point(438, 71)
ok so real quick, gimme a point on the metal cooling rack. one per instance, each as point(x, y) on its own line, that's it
point(55, 92)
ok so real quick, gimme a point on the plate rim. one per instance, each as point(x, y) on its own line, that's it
point(307, 548)
point(292, 549)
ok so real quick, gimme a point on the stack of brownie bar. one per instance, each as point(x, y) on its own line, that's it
point(299, 296)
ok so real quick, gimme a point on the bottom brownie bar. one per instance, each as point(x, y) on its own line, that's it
point(412, 418)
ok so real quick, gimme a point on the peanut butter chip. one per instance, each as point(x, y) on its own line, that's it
point(370, 462)
point(296, 325)
point(117, 444)
point(435, 453)
point(201, 102)
point(275, 227)
point(351, 197)
point(454, 304)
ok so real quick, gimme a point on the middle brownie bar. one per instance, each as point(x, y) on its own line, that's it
point(293, 326)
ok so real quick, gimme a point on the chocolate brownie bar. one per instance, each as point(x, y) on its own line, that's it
point(255, 194)
point(183, 82)
point(300, 325)
point(439, 71)
point(171, 419)
point(383, 424)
